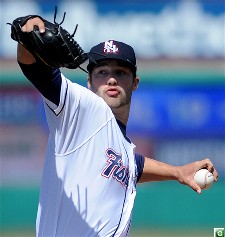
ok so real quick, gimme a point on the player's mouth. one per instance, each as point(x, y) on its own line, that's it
point(112, 92)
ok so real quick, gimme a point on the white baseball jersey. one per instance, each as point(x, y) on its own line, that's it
point(89, 177)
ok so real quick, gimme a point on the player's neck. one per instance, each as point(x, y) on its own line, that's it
point(122, 114)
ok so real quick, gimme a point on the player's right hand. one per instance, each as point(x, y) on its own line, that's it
point(187, 172)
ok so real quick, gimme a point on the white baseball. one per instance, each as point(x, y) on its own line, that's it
point(204, 178)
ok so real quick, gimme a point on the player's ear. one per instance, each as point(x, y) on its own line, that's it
point(136, 82)
point(89, 82)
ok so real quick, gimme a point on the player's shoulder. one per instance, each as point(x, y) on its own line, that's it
point(83, 92)
point(73, 86)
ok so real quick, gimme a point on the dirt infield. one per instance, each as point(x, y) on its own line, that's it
point(171, 233)
point(134, 233)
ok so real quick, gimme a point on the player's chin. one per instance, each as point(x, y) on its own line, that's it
point(113, 102)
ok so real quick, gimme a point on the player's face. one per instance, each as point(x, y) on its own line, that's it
point(113, 82)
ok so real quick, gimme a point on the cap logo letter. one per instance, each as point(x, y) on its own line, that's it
point(110, 47)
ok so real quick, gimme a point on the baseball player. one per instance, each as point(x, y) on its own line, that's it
point(91, 169)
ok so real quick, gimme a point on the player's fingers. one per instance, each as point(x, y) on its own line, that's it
point(29, 26)
point(195, 187)
point(211, 168)
point(207, 164)
point(215, 174)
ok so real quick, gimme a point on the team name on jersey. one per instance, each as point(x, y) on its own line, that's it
point(115, 168)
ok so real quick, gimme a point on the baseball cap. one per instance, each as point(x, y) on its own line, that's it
point(112, 49)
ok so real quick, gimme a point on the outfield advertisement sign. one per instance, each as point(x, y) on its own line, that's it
point(186, 29)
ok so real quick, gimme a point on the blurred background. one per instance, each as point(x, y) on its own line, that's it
point(177, 116)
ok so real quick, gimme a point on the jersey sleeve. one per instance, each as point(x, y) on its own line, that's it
point(79, 116)
point(140, 165)
point(46, 80)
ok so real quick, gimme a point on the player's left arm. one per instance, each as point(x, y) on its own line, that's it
point(158, 171)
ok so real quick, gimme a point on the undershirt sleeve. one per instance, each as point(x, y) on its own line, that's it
point(47, 80)
point(140, 165)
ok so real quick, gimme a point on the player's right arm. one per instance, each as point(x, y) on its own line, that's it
point(159, 171)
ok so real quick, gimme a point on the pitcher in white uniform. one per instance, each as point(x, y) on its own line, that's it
point(91, 168)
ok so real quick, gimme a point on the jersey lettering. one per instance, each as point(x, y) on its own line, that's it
point(115, 168)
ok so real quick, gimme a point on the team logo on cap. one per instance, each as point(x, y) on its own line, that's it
point(110, 47)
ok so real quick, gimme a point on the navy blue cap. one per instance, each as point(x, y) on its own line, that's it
point(112, 49)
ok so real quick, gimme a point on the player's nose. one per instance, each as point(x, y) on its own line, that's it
point(112, 81)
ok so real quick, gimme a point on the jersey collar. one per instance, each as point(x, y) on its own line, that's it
point(123, 129)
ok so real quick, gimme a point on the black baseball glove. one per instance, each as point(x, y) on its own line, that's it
point(55, 47)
